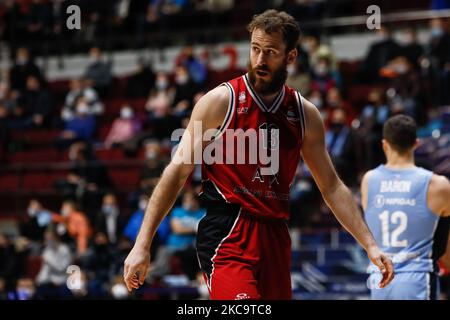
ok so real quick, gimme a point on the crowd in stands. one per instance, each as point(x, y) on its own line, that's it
point(41, 24)
point(95, 228)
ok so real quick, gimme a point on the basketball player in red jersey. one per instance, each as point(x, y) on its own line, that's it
point(243, 242)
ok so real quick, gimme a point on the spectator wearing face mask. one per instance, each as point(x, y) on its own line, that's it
point(196, 68)
point(25, 290)
point(56, 258)
point(438, 60)
point(98, 72)
point(23, 68)
point(75, 224)
point(34, 106)
point(87, 180)
point(405, 85)
point(9, 259)
point(80, 128)
point(109, 220)
point(410, 48)
point(81, 87)
point(316, 99)
point(335, 101)
point(316, 50)
point(37, 221)
point(101, 263)
point(340, 144)
point(141, 81)
point(369, 132)
point(297, 79)
point(380, 53)
point(185, 90)
point(184, 221)
point(323, 78)
point(160, 100)
point(153, 167)
point(131, 230)
point(123, 128)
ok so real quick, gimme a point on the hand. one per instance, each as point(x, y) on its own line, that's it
point(68, 135)
point(38, 119)
point(136, 265)
point(73, 178)
point(383, 263)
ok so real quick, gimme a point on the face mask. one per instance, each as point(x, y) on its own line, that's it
point(126, 113)
point(65, 212)
point(437, 32)
point(181, 79)
point(94, 59)
point(317, 102)
point(401, 68)
point(306, 46)
point(381, 37)
point(82, 108)
point(21, 61)
point(321, 70)
point(32, 212)
point(162, 84)
point(72, 155)
point(44, 218)
point(151, 155)
point(143, 204)
point(25, 293)
point(51, 243)
point(119, 291)
point(291, 70)
point(408, 39)
point(109, 209)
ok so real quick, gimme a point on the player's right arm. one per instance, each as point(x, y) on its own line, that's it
point(210, 111)
point(439, 195)
point(364, 189)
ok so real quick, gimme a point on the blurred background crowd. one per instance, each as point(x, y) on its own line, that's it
point(80, 155)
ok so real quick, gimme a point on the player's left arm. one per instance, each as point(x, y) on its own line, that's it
point(336, 195)
point(438, 195)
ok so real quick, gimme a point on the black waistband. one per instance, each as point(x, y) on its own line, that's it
point(215, 207)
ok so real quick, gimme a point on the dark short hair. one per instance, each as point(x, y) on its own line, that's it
point(400, 132)
point(277, 21)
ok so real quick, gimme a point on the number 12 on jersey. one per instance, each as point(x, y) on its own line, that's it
point(388, 223)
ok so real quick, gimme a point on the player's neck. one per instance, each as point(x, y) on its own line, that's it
point(268, 98)
point(398, 161)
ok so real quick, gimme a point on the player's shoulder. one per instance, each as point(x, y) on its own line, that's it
point(220, 95)
point(367, 175)
point(214, 102)
point(439, 185)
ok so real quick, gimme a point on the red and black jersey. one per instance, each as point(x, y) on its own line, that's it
point(250, 183)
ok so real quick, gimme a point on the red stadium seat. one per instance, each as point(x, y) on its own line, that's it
point(125, 177)
point(35, 156)
point(33, 266)
point(109, 154)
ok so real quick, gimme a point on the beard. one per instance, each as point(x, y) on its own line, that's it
point(273, 84)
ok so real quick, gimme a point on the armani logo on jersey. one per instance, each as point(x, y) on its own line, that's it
point(291, 115)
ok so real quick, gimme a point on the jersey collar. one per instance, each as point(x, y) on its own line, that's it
point(276, 102)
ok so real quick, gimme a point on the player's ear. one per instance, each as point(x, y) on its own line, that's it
point(384, 145)
point(292, 56)
point(416, 144)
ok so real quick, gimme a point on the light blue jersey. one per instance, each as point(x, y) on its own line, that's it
point(403, 227)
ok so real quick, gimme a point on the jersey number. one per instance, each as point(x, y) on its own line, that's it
point(390, 239)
